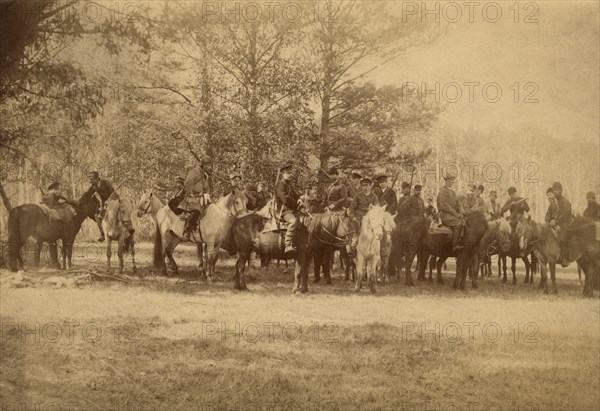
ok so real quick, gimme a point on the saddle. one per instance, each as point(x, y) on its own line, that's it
point(64, 212)
point(435, 228)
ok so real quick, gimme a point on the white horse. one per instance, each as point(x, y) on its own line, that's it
point(368, 249)
point(386, 247)
point(215, 226)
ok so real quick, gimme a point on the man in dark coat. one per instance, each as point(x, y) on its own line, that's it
point(493, 207)
point(564, 218)
point(449, 210)
point(593, 208)
point(388, 195)
point(415, 204)
point(197, 195)
point(403, 211)
point(262, 195)
point(103, 189)
point(287, 205)
point(550, 218)
point(516, 205)
point(336, 196)
point(359, 207)
point(59, 209)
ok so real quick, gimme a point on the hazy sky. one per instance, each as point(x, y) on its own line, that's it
point(559, 54)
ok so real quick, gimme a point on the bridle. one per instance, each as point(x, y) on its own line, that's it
point(339, 241)
point(147, 208)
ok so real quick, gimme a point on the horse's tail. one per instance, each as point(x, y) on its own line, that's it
point(14, 239)
point(158, 257)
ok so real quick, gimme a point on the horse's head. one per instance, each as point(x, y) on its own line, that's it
point(374, 221)
point(236, 202)
point(503, 231)
point(524, 233)
point(145, 204)
point(88, 206)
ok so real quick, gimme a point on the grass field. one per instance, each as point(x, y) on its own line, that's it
point(155, 344)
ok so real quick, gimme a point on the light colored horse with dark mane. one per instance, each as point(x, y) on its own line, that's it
point(386, 247)
point(368, 249)
point(215, 227)
point(112, 224)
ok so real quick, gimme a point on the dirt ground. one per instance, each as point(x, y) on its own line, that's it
point(155, 343)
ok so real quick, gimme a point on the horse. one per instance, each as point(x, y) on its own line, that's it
point(150, 204)
point(368, 248)
point(386, 247)
point(330, 231)
point(497, 232)
point(411, 237)
point(582, 247)
point(112, 225)
point(30, 219)
point(214, 228)
point(248, 236)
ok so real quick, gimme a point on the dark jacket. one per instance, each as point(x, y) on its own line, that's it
point(53, 200)
point(448, 207)
point(403, 209)
point(337, 194)
point(564, 213)
point(551, 213)
point(104, 189)
point(592, 211)
point(389, 199)
point(415, 206)
point(360, 204)
point(286, 197)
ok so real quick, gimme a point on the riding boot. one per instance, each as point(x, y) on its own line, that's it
point(99, 222)
point(190, 224)
point(289, 235)
point(563, 258)
point(456, 238)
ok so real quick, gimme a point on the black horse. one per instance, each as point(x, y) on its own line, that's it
point(411, 237)
point(248, 236)
point(29, 219)
point(329, 232)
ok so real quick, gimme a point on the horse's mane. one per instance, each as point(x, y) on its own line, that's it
point(328, 221)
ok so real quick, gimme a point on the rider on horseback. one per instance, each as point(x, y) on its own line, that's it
point(104, 189)
point(360, 207)
point(388, 195)
point(59, 209)
point(287, 204)
point(450, 210)
point(196, 198)
point(564, 217)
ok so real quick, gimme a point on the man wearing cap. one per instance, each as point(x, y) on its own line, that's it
point(55, 201)
point(564, 217)
point(236, 181)
point(493, 206)
point(449, 210)
point(337, 193)
point(415, 204)
point(550, 217)
point(178, 197)
point(403, 211)
point(103, 189)
point(515, 204)
point(388, 195)
point(473, 202)
point(359, 207)
point(196, 196)
point(353, 185)
point(262, 196)
point(287, 205)
point(430, 210)
point(593, 208)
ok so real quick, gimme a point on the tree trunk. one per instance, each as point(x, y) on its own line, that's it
point(5, 198)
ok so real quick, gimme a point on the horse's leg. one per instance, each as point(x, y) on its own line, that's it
point(441, 261)
point(317, 256)
point(240, 266)
point(203, 265)
point(37, 252)
point(527, 269)
point(168, 251)
point(544, 280)
point(372, 272)
point(513, 267)
point(360, 268)
point(108, 253)
point(132, 245)
point(474, 269)
point(431, 263)
point(553, 277)
point(120, 246)
point(459, 267)
point(327, 264)
point(409, 258)
point(63, 253)
point(504, 279)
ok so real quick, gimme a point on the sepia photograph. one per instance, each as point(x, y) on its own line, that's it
point(305, 205)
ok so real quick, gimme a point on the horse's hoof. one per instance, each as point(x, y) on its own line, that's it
point(504, 281)
point(328, 282)
point(440, 281)
point(475, 286)
point(316, 280)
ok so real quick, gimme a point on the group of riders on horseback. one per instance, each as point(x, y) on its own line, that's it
point(353, 194)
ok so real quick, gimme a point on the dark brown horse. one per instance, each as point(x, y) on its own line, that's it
point(30, 220)
point(583, 247)
point(248, 236)
point(330, 231)
point(411, 237)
